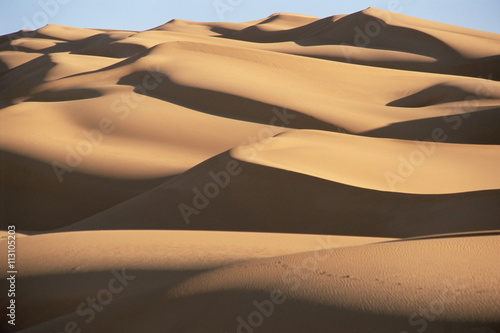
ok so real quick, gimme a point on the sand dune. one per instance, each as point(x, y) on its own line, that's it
point(225, 193)
point(210, 158)
point(336, 157)
point(428, 284)
point(156, 257)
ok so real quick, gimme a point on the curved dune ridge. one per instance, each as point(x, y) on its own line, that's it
point(289, 174)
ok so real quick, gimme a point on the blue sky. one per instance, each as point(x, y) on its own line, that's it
point(146, 14)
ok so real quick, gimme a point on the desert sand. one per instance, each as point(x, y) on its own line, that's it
point(290, 174)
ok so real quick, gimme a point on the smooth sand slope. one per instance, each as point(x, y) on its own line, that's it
point(241, 148)
point(394, 286)
point(154, 257)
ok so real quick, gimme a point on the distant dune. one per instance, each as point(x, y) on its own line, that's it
point(291, 174)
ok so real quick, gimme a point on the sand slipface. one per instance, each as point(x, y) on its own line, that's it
point(290, 174)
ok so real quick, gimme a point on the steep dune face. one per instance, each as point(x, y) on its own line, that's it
point(369, 37)
point(364, 127)
point(116, 105)
point(317, 182)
